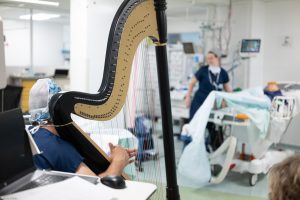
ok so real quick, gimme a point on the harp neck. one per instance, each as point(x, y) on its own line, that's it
point(135, 20)
point(160, 7)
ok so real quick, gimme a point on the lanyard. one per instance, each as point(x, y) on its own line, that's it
point(216, 83)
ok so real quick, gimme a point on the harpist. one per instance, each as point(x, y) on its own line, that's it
point(57, 153)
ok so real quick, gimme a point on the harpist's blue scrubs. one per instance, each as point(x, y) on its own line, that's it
point(207, 83)
point(57, 154)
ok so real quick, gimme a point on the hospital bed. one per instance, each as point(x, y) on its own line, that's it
point(260, 158)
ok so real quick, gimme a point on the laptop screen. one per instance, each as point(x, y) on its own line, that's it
point(15, 152)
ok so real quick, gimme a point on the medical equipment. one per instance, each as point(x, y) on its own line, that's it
point(246, 49)
point(188, 48)
point(250, 46)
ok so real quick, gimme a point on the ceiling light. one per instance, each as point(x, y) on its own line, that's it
point(40, 16)
point(48, 3)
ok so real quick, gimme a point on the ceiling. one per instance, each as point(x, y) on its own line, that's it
point(12, 11)
point(9, 10)
point(64, 5)
point(197, 9)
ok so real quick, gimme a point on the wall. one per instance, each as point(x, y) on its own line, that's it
point(90, 25)
point(241, 28)
point(47, 44)
point(282, 19)
point(17, 45)
point(256, 64)
point(100, 17)
point(269, 21)
point(78, 30)
point(185, 26)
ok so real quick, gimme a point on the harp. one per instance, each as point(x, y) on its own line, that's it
point(134, 21)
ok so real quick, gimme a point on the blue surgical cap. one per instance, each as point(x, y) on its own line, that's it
point(39, 97)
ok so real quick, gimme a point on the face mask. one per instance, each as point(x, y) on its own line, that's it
point(214, 69)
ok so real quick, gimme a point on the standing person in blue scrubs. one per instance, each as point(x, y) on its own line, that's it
point(57, 153)
point(211, 77)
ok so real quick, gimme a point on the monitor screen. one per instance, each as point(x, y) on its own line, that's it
point(15, 152)
point(61, 72)
point(250, 46)
point(188, 48)
point(2, 63)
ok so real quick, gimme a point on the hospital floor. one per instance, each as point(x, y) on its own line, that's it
point(234, 187)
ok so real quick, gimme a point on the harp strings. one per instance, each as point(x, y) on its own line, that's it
point(156, 167)
point(140, 103)
point(150, 108)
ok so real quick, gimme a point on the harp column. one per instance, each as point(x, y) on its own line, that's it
point(164, 90)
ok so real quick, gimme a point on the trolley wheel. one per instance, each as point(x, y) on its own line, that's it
point(253, 179)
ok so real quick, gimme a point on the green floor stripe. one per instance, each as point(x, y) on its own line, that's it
point(205, 194)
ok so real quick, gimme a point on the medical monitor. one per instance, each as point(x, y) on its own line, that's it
point(188, 48)
point(2, 61)
point(250, 45)
point(61, 73)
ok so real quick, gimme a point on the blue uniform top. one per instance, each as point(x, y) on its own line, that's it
point(207, 82)
point(57, 154)
point(273, 94)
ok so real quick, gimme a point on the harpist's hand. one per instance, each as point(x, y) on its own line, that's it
point(132, 153)
point(120, 157)
point(118, 153)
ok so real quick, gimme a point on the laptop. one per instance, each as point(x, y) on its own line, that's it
point(17, 170)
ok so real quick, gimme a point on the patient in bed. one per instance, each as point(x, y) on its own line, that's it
point(272, 90)
point(58, 154)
